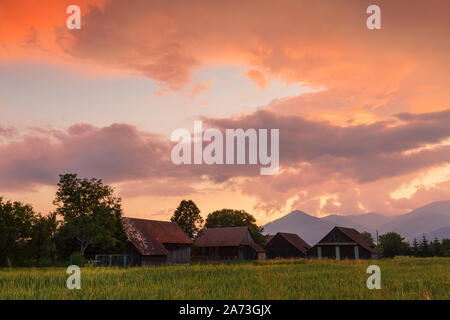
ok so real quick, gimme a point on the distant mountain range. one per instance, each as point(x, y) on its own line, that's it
point(432, 220)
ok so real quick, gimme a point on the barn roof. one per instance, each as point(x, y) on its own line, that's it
point(257, 247)
point(357, 237)
point(149, 236)
point(223, 237)
point(294, 240)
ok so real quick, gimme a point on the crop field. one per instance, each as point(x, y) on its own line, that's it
point(401, 278)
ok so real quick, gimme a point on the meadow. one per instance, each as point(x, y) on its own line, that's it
point(401, 278)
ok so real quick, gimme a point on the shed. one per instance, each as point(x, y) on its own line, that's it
point(156, 242)
point(344, 243)
point(286, 245)
point(227, 243)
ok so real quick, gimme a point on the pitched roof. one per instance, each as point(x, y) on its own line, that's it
point(149, 236)
point(294, 240)
point(357, 238)
point(222, 237)
point(257, 247)
point(268, 238)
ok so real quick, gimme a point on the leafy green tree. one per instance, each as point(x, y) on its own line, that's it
point(16, 221)
point(42, 242)
point(235, 218)
point(391, 244)
point(188, 217)
point(92, 214)
point(368, 235)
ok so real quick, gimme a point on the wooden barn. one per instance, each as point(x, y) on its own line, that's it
point(227, 243)
point(344, 243)
point(286, 245)
point(156, 242)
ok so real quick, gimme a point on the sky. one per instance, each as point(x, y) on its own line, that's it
point(364, 115)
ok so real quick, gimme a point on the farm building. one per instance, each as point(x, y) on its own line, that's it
point(156, 242)
point(286, 245)
point(227, 243)
point(344, 243)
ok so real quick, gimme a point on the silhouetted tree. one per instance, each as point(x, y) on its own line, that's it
point(188, 217)
point(415, 248)
point(424, 247)
point(235, 218)
point(42, 242)
point(16, 221)
point(435, 247)
point(445, 247)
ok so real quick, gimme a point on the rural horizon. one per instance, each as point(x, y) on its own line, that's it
point(244, 152)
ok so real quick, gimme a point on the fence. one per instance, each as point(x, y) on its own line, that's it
point(112, 260)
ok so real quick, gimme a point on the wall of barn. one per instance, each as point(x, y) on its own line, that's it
point(248, 239)
point(135, 255)
point(216, 253)
point(346, 252)
point(153, 260)
point(178, 254)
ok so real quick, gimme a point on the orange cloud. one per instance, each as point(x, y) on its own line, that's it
point(257, 77)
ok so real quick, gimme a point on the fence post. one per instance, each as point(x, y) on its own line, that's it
point(125, 261)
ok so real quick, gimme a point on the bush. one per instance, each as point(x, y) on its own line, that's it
point(78, 260)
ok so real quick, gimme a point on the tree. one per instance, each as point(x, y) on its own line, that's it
point(16, 221)
point(424, 248)
point(391, 244)
point(368, 235)
point(42, 242)
point(91, 213)
point(436, 248)
point(188, 217)
point(415, 248)
point(235, 218)
point(445, 247)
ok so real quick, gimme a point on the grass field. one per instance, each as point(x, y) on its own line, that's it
point(401, 278)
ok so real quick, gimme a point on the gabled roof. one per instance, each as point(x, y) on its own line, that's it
point(149, 236)
point(222, 237)
point(356, 237)
point(294, 240)
point(257, 247)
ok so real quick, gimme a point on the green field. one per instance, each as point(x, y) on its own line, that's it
point(401, 278)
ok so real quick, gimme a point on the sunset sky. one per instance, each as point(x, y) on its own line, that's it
point(364, 115)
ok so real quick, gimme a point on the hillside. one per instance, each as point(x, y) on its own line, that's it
point(431, 220)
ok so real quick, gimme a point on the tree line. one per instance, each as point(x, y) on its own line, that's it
point(393, 244)
point(87, 220)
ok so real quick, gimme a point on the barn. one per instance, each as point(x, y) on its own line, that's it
point(286, 245)
point(227, 244)
point(153, 242)
point(344, 243)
